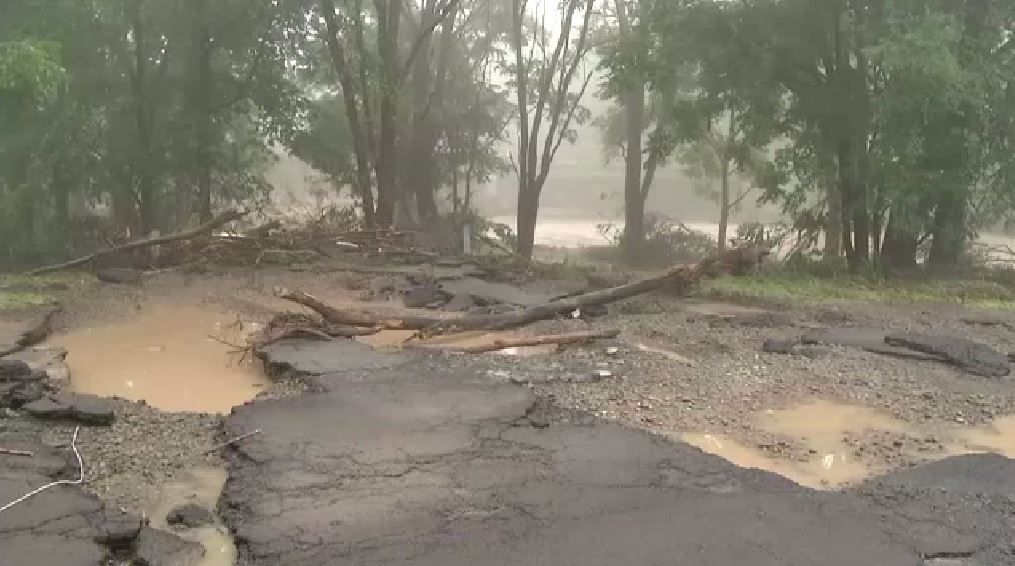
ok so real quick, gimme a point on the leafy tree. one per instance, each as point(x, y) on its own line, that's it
point(547, 88)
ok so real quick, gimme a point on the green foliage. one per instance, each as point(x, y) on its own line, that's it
point(795, 286)
point(326, 141)
point(123, 106)
point(30, 71)
point(666, 242)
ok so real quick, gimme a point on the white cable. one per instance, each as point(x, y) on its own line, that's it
point(81, 476)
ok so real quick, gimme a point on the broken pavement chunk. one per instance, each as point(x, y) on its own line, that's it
point(159, 548)
point(974, 357)
point(14, 370)
point(87, 409)
point(47, 409)
point(190, 515)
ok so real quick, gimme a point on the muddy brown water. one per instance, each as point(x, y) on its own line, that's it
point(200, 485)
point(822, 427)
point(170, 356)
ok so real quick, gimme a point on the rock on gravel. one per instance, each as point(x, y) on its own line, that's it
point(87, 409)
point(190, 515)
point(159, 548)
point(974, 357)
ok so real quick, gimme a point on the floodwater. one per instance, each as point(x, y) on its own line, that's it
point(821, 428)
point(171, 356)
point(200, 485)
point(584, 232)
point(396, 340)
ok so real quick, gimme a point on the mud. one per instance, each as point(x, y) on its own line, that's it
point(837, 445)
point(201, 485)
point(171, 356)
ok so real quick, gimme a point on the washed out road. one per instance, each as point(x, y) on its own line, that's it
point(399, 460)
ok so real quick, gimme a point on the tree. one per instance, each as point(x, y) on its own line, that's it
point(543, 89)
point(873, 94)
point(118, 128)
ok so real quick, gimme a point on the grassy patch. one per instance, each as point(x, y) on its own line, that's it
point(795, 287)
point(19, 291)
point(22, 299)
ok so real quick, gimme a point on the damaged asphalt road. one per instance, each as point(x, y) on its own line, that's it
point(400, 460)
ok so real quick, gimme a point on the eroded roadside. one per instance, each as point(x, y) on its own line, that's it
point(398, 458)
point(384, 455)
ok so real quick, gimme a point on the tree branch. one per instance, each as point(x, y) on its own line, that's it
point(442, 14)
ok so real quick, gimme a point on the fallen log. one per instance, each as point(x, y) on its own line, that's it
point(356, 318)
point(13, 452)
point(542, 340)
point(432, 326)
point(219, 220)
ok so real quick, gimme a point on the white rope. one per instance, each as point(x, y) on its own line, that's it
point(81, 476)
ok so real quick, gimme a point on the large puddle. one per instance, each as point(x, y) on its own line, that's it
point(174, 357)
point(200, 485)
point(828, 453)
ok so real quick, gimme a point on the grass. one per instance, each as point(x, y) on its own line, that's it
point(20, 291)
point(788, 287)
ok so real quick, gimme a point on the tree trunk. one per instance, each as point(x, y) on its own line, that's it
point(849, 204)
point(634, 209)
point(361, 147)
point(861, 209)
point(949, 230)
point(833, 223)
point(724, 201)
point(389, 15)
point(525, 235)
point(528, 209)
point(201, 111)
point(61, 206)
point(898, 251)
point(146, 198)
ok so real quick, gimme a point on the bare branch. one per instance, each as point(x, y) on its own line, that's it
point(441, 14)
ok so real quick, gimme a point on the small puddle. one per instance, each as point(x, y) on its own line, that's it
point(821, 429)
point(395, 339)
point(200, 485)
point(165, 355)
point(998, 438)
point(748, 457)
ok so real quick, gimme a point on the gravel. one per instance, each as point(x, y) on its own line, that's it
point(732, 381)
point(729, 382)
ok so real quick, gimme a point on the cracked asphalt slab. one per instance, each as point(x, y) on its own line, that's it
point(399, 459)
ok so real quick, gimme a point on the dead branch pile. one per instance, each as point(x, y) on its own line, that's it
point(218, 221)
point(541, 340)
point(432, 326)
point(285, 326)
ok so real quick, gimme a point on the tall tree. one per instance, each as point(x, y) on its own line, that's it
point(544, 88)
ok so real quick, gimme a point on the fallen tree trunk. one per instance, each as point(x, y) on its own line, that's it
point(219, 220)
point(432, 326)
point(357, 318)
point(522, 341)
